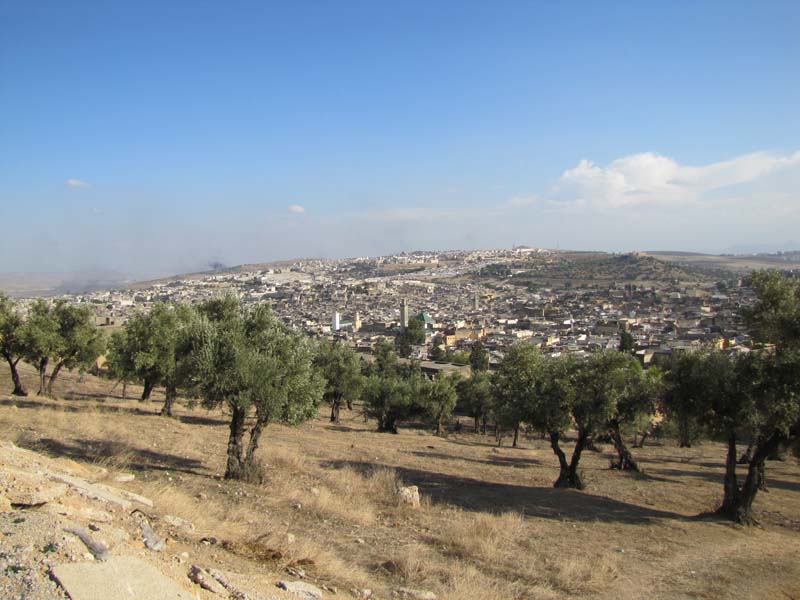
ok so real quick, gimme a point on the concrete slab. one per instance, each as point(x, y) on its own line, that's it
point(95, 491)
point(119, 578)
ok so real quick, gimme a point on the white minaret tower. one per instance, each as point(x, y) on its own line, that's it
point(404, 314)
point(336, 325)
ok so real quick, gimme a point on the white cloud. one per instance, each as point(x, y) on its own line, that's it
point(76, 183)
point(648, 179)
point(297, 209)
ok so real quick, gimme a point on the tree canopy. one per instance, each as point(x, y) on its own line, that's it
point(250, 362)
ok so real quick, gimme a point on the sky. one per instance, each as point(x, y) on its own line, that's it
point(151, 138)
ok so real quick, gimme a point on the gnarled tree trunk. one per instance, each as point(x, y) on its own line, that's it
point(252, 445)
point(626, 461)
point(336, 407)
point(737, 504)
point(42, 369)
point(53, 377)
point(170, 394)
point(148, 389)
point(235, 468)
point(19, 389)
point(568, 476)
point(516, 436)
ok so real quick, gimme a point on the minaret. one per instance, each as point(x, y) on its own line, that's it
point(336, 321)
point(404, 314)
point(477, 306)
point(357, 322)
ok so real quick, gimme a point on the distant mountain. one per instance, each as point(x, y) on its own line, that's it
point(768, 248)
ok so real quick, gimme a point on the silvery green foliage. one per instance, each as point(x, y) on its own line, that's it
point(246, 357)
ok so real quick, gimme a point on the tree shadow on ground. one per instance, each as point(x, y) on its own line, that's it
point(549, 503)
point(201, 420)
point(719, 476)
point(343, 428)
point(131, 457)
point(518, 462)
point(77, 408)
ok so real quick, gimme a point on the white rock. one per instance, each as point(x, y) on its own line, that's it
point(301, 589)
point(409, 496)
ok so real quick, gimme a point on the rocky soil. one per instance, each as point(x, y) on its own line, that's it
point(73, 531)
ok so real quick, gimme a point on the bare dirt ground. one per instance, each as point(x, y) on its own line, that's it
point(490, 526)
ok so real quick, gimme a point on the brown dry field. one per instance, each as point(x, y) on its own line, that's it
point(491, 526)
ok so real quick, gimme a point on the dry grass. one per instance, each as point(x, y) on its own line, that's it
point(490, 527)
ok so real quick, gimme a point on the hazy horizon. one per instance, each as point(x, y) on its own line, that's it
point(149, 140)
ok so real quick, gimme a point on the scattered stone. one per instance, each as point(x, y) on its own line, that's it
point(120, 577)
point(124, 477)
point(78, 512)
point(151, 540)
point(409, 496)
point(301, 589)
point(98, 549)
point(29, 489)
point(209, 541)
point(5, 504)
point(296, 572)
point(178, 522)
point(203, 578)
point(290, 538)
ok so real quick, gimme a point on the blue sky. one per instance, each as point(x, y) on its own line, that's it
point(154, 137)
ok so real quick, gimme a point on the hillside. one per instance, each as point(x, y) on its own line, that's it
point(490, 525)
point(739, 264)
point(599, 268)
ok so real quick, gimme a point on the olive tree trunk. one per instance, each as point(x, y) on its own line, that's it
point(149, 384)
point(19, 389)
point(626, 461)
point(235, 467)
point(53, 377)
point(336, 407)
point(170, 395)
point(252, 445)
point(568, 475)
point(737, 503)
point(42, 369)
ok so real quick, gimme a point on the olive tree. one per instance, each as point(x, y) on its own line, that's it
point(248, 361)
point(476, 397)
point(582, 395)
point(79, 341)
point(119, 362)
point(685, 396)
point(763, 397)
point(393, 392)
point(516, 386)
point(637, 403)
point(41, 339)
point(341, 369)
point(151, 350)
point(12, 341)
point(440, 399)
